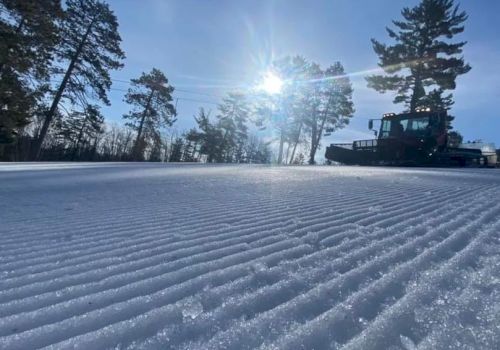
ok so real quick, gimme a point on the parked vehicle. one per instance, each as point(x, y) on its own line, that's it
point(413, 139)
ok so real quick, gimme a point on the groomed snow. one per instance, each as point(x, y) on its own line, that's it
point(156, 256)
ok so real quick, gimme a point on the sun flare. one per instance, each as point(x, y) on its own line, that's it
point(272, 84)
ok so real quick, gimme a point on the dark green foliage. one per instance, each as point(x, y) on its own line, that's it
point(17, 103)
point(211, 138)
point(232, 118)
point(79, 129)
point(226, 140)
point(88, 51)
point(156, 147)
point(192, 138)
point(423, 62)
point(332, 105)
point(311, 101)
point(151, 98)
point(28, 32)
point(257, 151)
point(455, 139)
point(177, 147)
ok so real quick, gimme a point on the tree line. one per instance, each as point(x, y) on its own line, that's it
point(55, 66)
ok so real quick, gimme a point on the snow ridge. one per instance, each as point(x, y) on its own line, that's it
point(136, 256)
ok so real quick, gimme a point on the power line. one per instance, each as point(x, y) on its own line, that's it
point(175, 89)
point(177, 98)
point(195, 100)
point(121, 81)
point(117, 89)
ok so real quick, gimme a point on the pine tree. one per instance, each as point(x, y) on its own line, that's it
point(151, 98)
point(28, 29)
point(289, 107)
point(89, 50)
point(17, 103)
point(263, 155)
point(455, 139)
point(156, 147)
point(233, 115)
point(271, 111)
point(177, 148)
point(192, 138)
point(80, 128)
point(29, 33)
point(211, 138)
point(332, 105)
point(422, 60)
point(311, 101)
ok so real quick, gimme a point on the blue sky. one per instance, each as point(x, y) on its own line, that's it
point(210, 47)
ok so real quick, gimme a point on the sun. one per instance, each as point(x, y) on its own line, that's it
point(272, 84)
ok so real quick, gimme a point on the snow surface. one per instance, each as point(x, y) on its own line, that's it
point(155, 256)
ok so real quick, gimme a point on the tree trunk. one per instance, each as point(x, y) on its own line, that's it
point(136, 150)
point(79, 139)
point(94, 149)
point(314, 131)
point(280, 152)
point(165, 152)
point(287, 161)
point(224, 153)
point(137, 143)
point(124, 147)
point(312, 154)
point(417, 87)
point(296, 142)
point(314, 147)
point(315, 141)
point(194, 150)
point(57, 98)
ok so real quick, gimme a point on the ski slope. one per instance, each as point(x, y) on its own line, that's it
point(156, 256)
